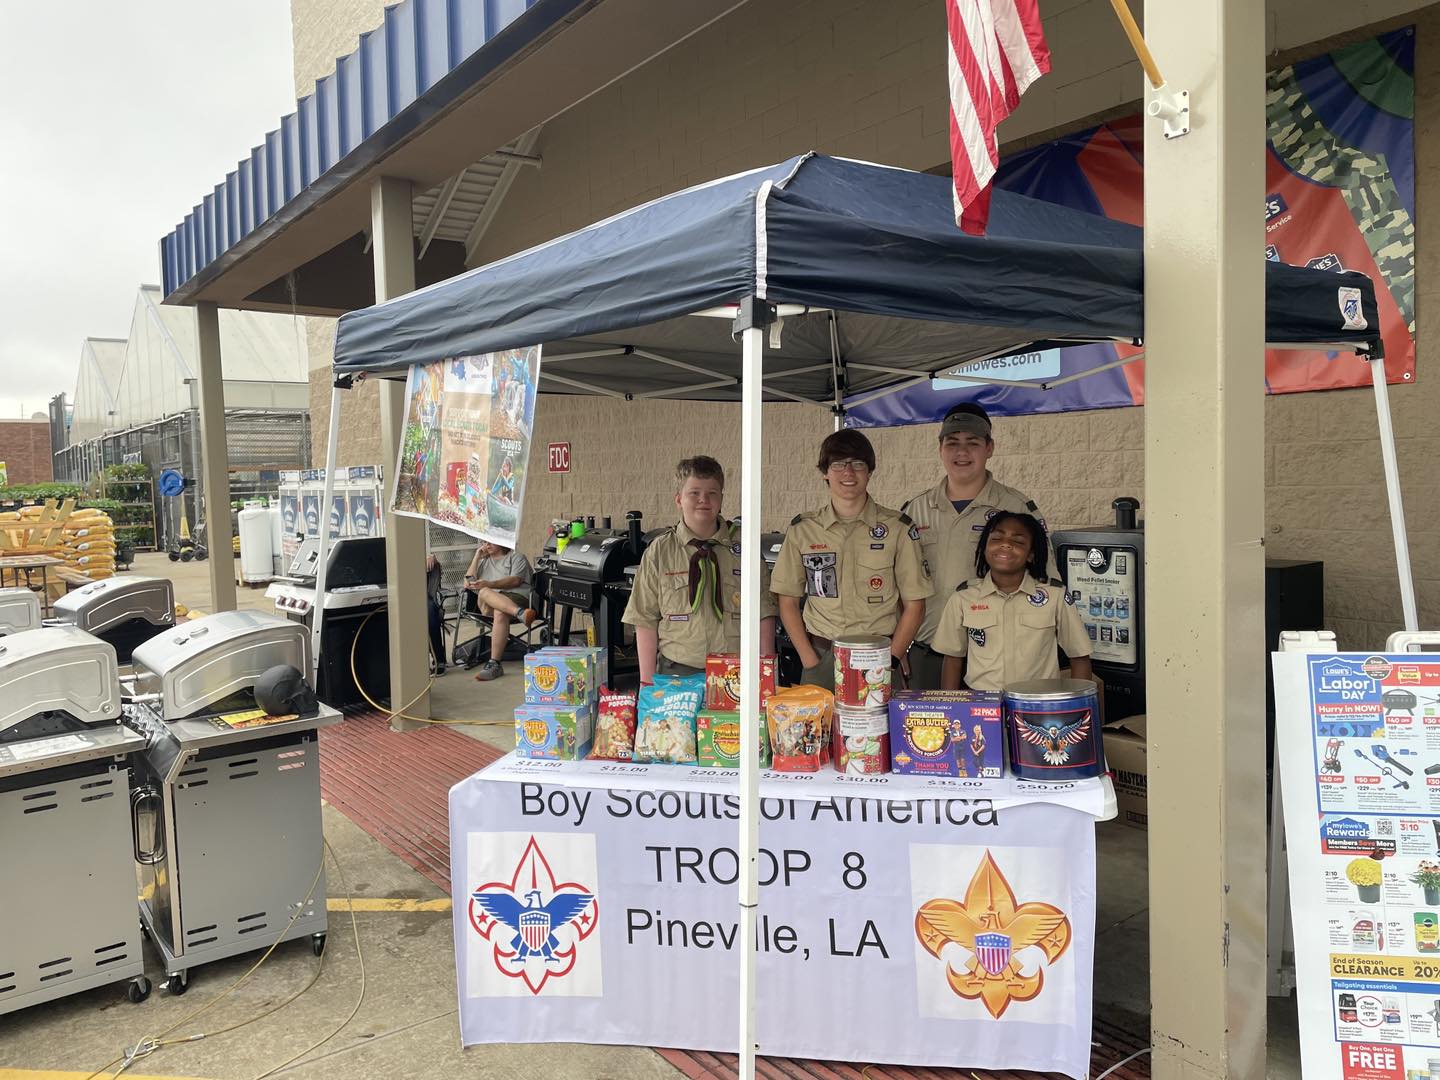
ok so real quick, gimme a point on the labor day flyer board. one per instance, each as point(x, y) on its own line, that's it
point(466, 444)
point(1358, 737)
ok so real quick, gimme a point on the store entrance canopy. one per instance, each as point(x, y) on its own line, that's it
point(877, 285)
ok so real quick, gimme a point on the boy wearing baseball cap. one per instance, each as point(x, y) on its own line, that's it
point(950, 517)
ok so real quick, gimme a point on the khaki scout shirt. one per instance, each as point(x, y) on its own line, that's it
point(853, 574)
point(948, 539)
point(661, 597)
point(1007, 638)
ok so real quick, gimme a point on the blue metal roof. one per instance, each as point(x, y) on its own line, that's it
point(422, 58)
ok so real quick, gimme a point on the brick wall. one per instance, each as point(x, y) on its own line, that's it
point(829, 75)
point(25, 449)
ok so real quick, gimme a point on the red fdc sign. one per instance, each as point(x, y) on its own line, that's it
point(559, 457)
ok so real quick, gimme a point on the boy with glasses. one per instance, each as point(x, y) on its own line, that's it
point(856, 563)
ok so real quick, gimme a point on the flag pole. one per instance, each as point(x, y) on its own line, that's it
point(1137, 42)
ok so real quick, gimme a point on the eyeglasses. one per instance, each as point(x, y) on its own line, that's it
point(853, 465)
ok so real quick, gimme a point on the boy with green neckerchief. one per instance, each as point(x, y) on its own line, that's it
point(686, 599)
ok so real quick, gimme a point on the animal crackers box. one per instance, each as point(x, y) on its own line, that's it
point(947, 733)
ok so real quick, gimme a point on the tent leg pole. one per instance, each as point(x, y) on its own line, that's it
point(751, 554)
point(1392, 491)
point(332, 450)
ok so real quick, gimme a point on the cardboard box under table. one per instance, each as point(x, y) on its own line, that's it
point(599, 905)
point(1125, 754)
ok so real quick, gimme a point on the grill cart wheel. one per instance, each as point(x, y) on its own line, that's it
point(177, 982)
point(317, 944)
point(138, 990)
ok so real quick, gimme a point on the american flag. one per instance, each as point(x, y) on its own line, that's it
point(997, 49)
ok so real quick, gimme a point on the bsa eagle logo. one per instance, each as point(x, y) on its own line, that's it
point(992, 931)
point(533, 922)
point(1054, 733)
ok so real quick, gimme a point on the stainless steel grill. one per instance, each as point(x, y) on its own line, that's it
point(68, 886)
point(228, 829)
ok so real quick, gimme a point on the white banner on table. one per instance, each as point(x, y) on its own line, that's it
point(1358, 739)
point(922, 929)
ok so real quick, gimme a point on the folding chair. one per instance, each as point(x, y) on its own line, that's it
point(475, 650)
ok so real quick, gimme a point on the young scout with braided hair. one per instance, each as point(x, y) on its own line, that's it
point(1002, 626)
point(686, 599)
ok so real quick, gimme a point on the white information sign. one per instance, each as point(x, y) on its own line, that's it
point(906, 925)
point(1358, 737)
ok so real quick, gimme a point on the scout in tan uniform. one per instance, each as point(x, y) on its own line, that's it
point(686, 600)
point(1002, 626)
point(857, 564)
point(950, 516)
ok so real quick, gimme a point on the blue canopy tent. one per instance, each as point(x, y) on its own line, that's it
point(838, 278)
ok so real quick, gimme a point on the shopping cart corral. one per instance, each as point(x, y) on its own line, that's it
point(227, 826)
point(68, 885)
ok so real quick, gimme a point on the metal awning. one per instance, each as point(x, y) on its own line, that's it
point(446, 94)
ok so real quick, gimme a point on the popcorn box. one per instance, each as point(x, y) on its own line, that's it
point(947, 733)
point(556, 678)
point(717, 740)
point(562, 732)
point(722, 681)
point(600, 656)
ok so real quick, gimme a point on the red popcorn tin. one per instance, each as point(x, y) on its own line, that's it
point(722, 681)
point(861, 740)
point(862, 672)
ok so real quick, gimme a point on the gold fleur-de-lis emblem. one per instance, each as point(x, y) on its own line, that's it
point(994, 928)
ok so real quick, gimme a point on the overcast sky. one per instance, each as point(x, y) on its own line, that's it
point(116, 119)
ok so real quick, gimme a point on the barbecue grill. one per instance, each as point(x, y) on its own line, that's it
point(68, 886)
point(121, 610)
point(19, 610)
point(594, 575)
point(228, 828)
point(355, 589)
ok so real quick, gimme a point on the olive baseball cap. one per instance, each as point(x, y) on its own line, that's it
point(969, 420)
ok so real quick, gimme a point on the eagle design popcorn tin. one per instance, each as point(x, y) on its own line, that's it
point(1053, 728)
point(722, 681)
point(862, 672)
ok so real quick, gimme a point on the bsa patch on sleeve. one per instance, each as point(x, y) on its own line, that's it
point(914, 533)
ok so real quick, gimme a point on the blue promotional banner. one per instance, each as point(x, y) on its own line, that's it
point(1340, 195)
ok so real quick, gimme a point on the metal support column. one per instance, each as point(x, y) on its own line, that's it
point(215, 461)
point(1205, 518)
point(393, 246)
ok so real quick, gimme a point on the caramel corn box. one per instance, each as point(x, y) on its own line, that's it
point(717, 740)
point(947, 733)
point(561, 732)
point(722, 681)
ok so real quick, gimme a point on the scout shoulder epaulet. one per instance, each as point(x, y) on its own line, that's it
point(963, 585)
point(1057, 583)
point(1030, 505)
point(796, 519)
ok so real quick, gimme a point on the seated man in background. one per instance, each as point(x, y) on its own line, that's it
point(497, 584)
